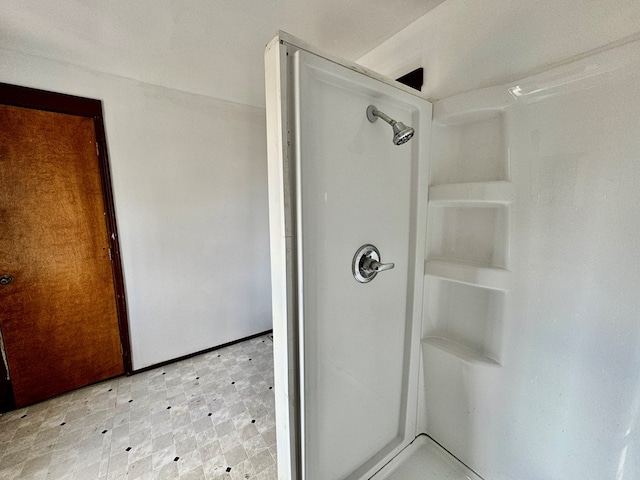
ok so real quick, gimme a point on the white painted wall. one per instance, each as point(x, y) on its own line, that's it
point(207, 47)
point(190, 189)
point(565, 401)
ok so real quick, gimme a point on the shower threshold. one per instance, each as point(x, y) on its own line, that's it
point(424, 459)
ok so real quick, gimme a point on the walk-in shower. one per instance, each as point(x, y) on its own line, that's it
point(401, 133)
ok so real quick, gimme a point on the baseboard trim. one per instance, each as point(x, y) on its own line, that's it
point(207, 350)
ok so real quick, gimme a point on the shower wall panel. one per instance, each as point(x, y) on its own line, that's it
point(347, 354)
point(565, 401)
point(355, 187)
point(539, 377)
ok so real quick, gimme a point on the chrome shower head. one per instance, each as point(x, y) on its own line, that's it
point(401, 133)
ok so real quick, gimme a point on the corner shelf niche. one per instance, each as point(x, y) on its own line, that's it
point(464, 322)
point(468, 233)
point(471, 150)
point(493, 278)
point(469, 207)
point(457, 350)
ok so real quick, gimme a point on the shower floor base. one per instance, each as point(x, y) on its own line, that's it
point(424, 459)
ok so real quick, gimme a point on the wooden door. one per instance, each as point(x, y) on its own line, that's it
point(59, 315)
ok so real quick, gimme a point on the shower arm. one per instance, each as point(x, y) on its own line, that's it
point(383, 116)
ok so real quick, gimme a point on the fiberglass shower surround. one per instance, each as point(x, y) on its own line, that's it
point(508, 221)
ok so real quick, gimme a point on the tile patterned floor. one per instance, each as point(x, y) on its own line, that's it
point(208, 417)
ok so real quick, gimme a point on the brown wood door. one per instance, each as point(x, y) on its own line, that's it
point(59, 316)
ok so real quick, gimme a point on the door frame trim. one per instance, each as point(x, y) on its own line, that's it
point(25, 97)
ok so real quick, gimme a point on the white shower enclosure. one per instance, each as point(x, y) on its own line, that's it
point(347, 353)
point(480, 354)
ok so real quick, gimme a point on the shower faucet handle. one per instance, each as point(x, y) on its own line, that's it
point(366, 264)
point(374, 265)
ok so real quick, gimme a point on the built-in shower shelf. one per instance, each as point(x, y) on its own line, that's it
point(471, 194)
point(462, 352)
point(473, 106)
point(493, 278)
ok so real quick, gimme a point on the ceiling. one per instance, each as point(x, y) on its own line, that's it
point(208, 47)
